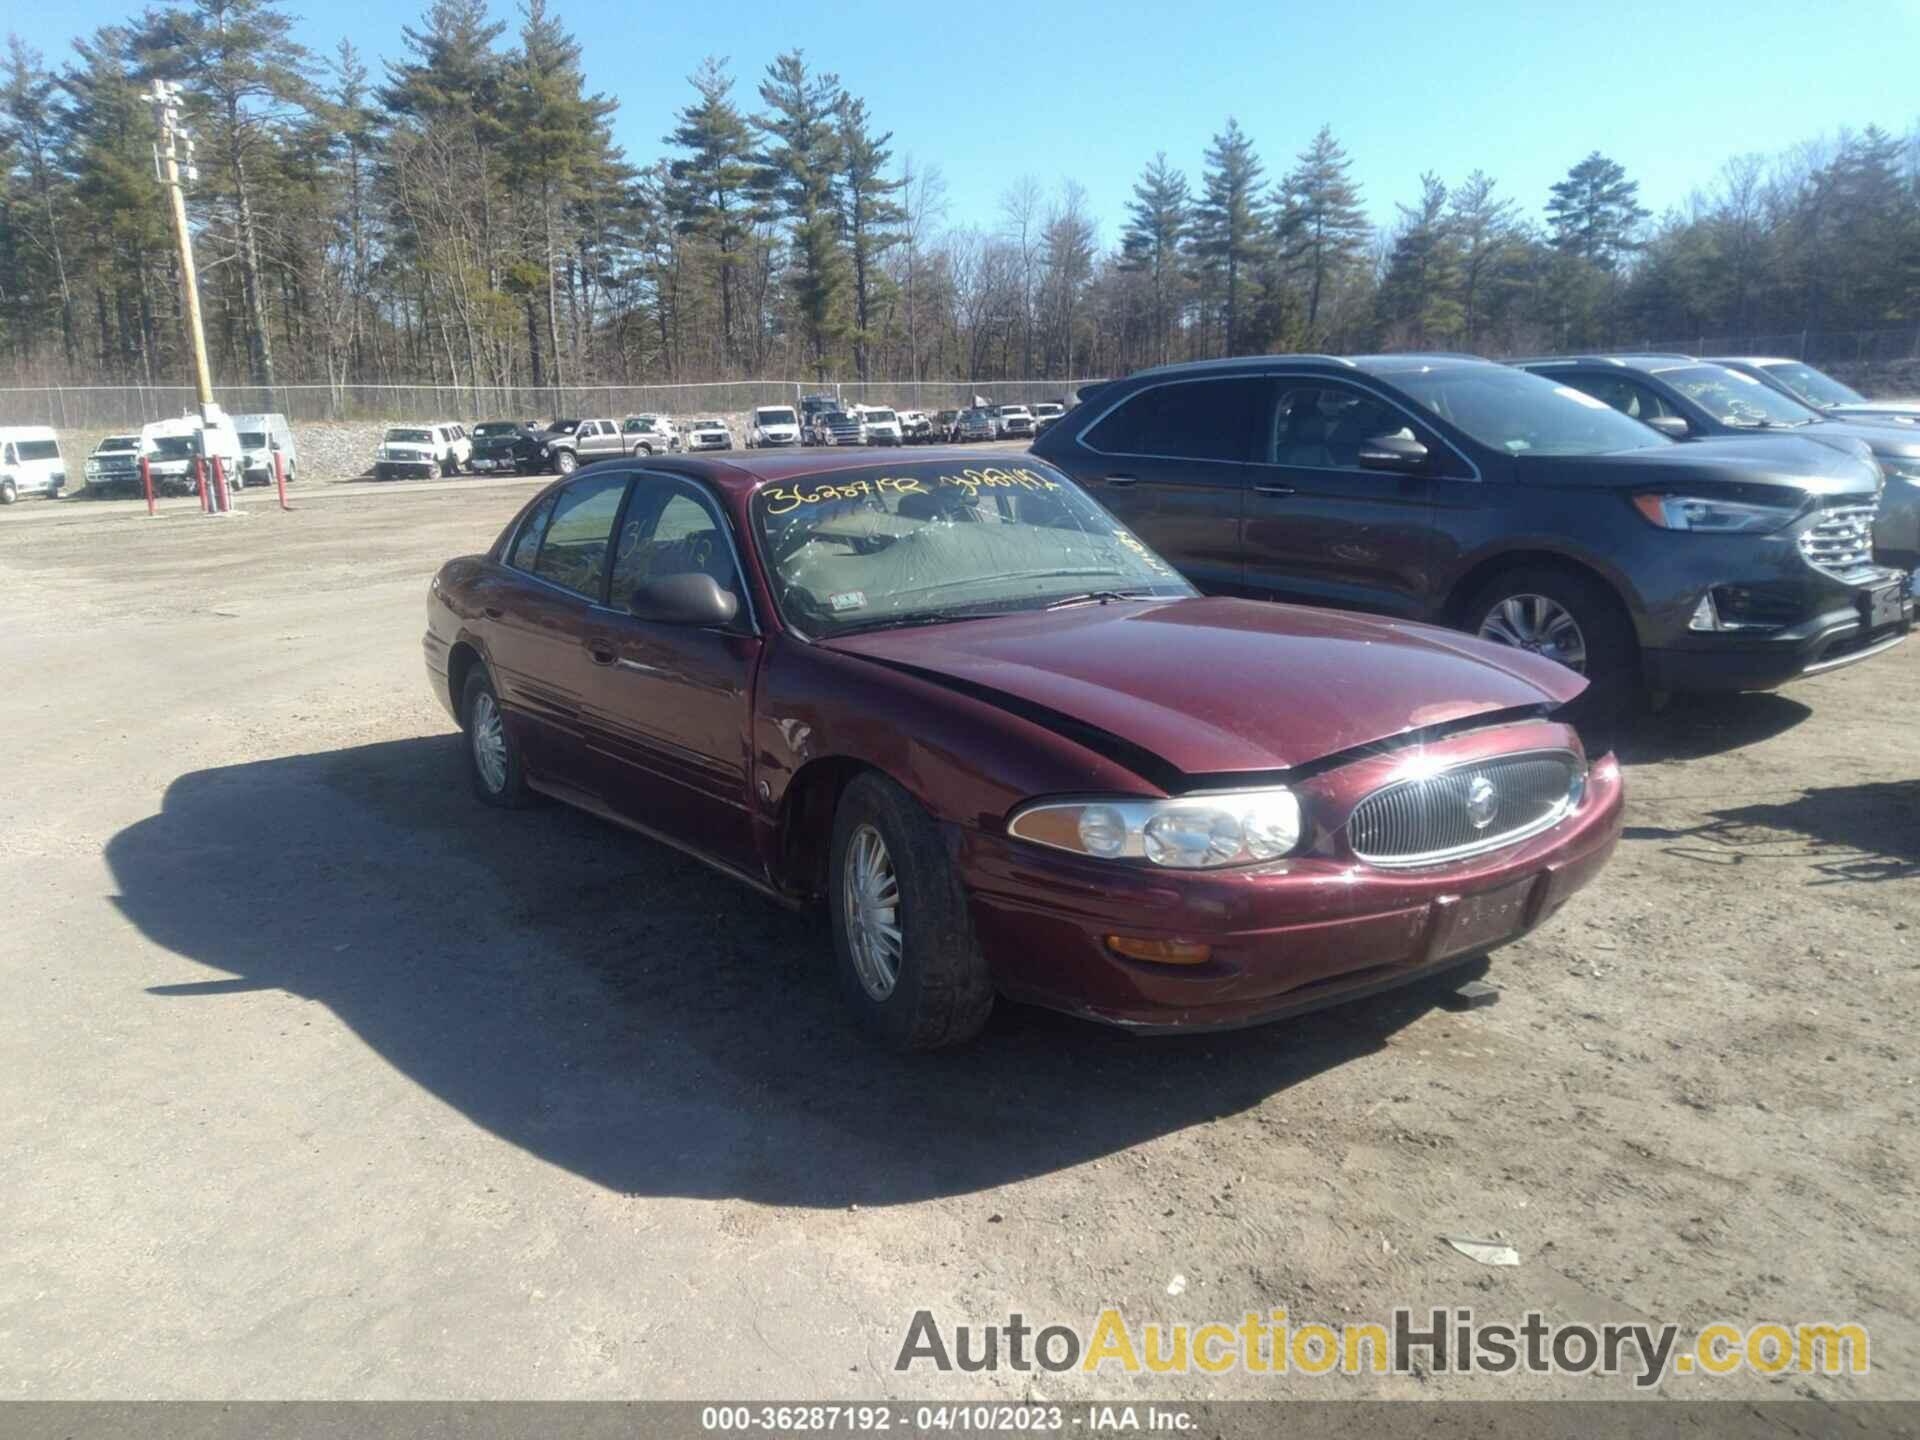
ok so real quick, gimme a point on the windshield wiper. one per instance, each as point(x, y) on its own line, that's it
point(907, 622)
point(1100, 597)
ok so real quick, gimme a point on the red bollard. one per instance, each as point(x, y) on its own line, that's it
point(200, 479)
point(146, 480)
point(222, 496)
point(280, 478)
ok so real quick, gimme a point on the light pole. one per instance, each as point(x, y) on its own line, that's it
point(175, 171)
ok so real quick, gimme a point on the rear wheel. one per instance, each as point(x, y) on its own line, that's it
point(1570, 618)
point(9, 492)
point(905, 951)
point(493, 756)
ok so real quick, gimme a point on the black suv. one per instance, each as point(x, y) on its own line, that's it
point(506, 447)
point(1694, 399)
point(1450, 489)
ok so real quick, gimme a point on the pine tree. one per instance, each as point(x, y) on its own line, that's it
point(249, 76)
point(1230, 225)
point(802, 161)
point(1419, 297)
point(31, 131)
point(1487, 229)
point(1594, 213)
point(870, 217)
point(716, 196)
point(1160, 216)
point(1323, 231)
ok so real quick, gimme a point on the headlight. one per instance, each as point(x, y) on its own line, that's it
point(1715, 517)
point(1189, 832)
point(93, 467)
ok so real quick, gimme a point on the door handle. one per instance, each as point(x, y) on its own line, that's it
point(1123, 480)
point(602, 654)
point(1273, 490)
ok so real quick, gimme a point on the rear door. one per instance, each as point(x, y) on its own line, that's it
point(1172, 462)
point(1320, 529)
point(538, 609)
point(670, 702)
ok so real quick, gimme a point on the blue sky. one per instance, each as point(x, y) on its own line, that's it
point(1089, 90)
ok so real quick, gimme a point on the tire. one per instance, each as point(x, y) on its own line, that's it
point(449, 465)
point(504, 785)
point(565, 462)
point(380, 472)
point(291, 468)
point(1507, 610)
point(9, 492)
point(941, 990)
point(646, 450)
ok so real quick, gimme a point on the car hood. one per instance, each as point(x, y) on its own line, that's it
point(1883, 437)
point(1903, 410)
point(1219, 686)
point(1790, 460)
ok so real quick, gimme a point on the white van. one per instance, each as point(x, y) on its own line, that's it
point(260, 436)
point(30, 462)
point(171, 445)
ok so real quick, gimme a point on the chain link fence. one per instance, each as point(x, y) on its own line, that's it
point(126, 407)
point(1816, 347)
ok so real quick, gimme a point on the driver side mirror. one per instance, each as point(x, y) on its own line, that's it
point(1392, 452)
point(693, 599)
point(1674, 427)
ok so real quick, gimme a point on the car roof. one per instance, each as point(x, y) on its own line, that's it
point(1650, 362)
point(1761, 360)
point(1372, 364)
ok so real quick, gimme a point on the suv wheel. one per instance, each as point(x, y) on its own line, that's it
point(1567, 617)
point(565, 462)
point(449, 464)
point(903, 938)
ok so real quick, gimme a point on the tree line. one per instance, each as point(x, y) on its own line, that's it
point(461, 214)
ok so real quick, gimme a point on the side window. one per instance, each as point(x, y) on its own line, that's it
point(1187, 420)
point(12, 456)
point(670, 529)
point(1629, 397)
point(526, 545)
point(574, 554)
point(1322, 426)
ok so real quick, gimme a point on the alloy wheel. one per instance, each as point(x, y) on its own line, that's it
point(871, 896)
point(489, 740)
point(1540, 625)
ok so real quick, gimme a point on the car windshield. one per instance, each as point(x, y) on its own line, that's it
point(494, 429)
point(1813, 385)
point(411, 437)
point(1046, 409)
point(1736, 399)
point(118, 442)
point(173, 447)
point(38, 449)
point(253, 439)
point(881, 417)
point(708, 425)
point(774, 417)
point(1525, 414)
point(840, 417)
point(914, 544)
point(563, 427)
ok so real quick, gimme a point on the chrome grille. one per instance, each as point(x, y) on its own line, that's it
point(1841, 540)
point(1430, 820)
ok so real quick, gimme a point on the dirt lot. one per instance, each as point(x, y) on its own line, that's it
point(317, 1079)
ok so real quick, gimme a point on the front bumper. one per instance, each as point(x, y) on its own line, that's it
point(1841, 634)
point(1286, 938)
point(416, 468)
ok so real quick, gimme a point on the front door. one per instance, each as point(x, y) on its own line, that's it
point(671, 703)
point(1323, 531)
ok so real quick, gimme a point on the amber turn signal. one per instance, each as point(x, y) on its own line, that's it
point(1160, 952)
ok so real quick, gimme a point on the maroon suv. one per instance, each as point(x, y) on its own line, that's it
point(1008, 746)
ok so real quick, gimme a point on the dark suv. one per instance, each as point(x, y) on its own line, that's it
point(1694, 399)
point(1450, 489)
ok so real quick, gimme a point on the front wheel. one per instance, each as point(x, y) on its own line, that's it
point(564, 462)
point(1569, 618)
point(9, 492)
point(903, 940)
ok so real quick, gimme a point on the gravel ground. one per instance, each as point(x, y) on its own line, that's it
point(319, 1080)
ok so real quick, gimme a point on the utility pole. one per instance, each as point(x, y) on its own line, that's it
point(174, 168)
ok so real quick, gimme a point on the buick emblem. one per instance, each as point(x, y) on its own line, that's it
point(1483, 802)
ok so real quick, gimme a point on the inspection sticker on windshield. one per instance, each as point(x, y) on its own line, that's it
point(848, 600)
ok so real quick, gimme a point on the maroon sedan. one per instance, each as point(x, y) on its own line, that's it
point(1013, 751)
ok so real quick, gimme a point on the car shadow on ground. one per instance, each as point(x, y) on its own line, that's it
point(1692, 727)
point(619, 1010)
point(1846, 833)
